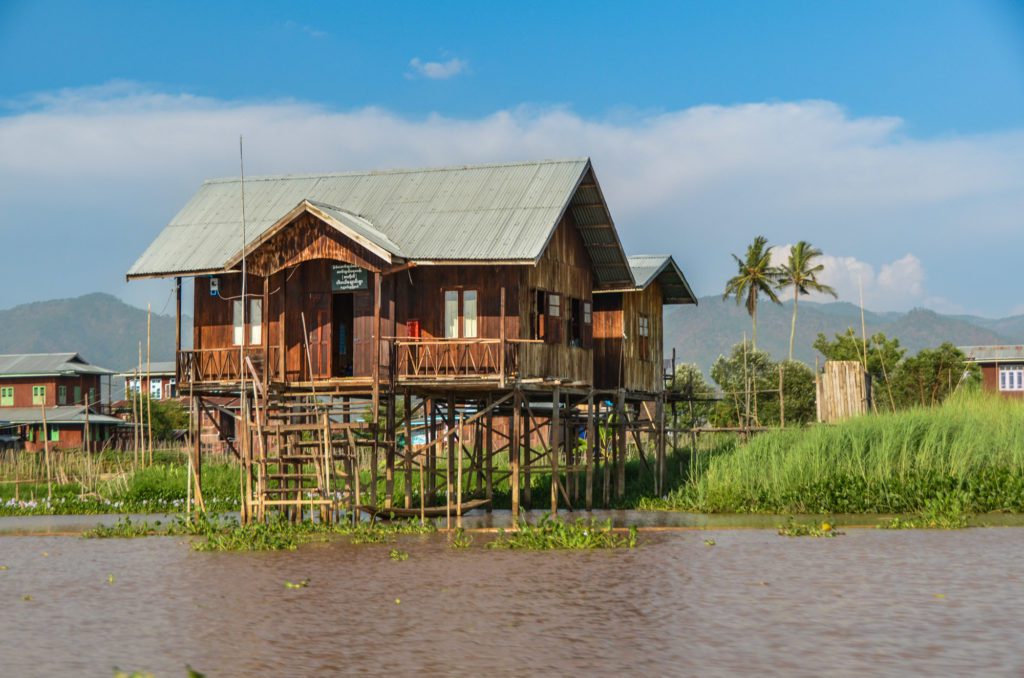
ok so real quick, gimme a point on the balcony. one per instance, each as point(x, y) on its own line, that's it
point(223, 365)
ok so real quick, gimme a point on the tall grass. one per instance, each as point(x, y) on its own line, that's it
point(972, 447)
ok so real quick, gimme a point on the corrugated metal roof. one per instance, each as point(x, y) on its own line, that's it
point(64, 414)
point(482, 212)
point(662, 267)
point(44, 364)
point(994, 354)
point(156, 368)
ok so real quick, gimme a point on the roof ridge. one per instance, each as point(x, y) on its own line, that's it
point(402, 170)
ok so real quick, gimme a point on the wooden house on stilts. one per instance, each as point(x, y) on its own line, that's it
point(419, 326)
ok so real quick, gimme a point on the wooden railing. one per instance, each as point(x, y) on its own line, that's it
point(451, 359)
point(212, 365)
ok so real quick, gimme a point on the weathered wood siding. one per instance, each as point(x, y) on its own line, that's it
point(617, 313)
point(564, 268)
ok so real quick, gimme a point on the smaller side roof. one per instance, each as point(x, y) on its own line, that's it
point(47, 364)
point(647, 268)
point(994, 354)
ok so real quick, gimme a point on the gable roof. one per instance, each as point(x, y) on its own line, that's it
point(157, 369)
point(47, 364)
point(473, 213)
point(662, 267)
point(993, 354)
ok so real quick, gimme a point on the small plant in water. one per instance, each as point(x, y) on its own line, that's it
point(552, 533)
point(297, 585)
point(461, 539)
point(397, 555)
point(709, 542)
point(794, 529)
point(945, 512)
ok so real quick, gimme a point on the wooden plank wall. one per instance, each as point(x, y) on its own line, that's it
point(564, 268)
point(613, 310)
point(843, 391)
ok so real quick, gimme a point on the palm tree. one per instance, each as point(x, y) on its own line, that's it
point(800, 273)
point(756, 276)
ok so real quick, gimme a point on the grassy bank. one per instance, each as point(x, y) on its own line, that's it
point(110, 482)
point(968, 452)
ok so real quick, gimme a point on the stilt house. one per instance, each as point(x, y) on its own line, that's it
point(460, 281)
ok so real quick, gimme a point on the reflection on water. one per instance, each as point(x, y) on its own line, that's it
point(872, 601)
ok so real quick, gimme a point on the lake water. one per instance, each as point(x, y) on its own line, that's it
point(868, 602)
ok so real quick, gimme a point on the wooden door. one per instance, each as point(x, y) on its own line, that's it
point(319, 328)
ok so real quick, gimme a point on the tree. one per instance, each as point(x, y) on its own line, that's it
point(744, 370)
point(801, 273)
point(690, 383)
point(755, 276)
point(168, 416)
point(932, 375)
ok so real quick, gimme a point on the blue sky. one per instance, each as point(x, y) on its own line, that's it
point(888, 133)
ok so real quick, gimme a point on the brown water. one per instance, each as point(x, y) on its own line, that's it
point(869, 602)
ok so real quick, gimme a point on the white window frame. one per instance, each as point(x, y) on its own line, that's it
point(470, 328)
point(1011, 378)
point(156, 389)
point(237, 322)
point(255, 322)
point(451, 314)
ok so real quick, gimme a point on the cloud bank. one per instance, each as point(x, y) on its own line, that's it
point(90, 176)
point(437, 70)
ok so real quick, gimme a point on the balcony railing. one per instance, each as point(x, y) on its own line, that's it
point(213, 365)
point(446, 359)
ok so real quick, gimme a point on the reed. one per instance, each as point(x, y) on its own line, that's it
point(972, 445)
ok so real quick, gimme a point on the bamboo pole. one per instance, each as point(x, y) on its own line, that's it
point(149, 381)
point(142, 417)
point(589, 493)
point(458, 508)
point(86, 431)
point(407, 416)
point(513, 454)
point(555, 436)
point(489, 458)
point(46, 451)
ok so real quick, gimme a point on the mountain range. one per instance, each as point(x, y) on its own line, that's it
point(701, 333)
point(106, 331)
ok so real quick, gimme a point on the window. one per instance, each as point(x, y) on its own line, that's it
point(553, 320)
point(172, 388)
point(6, 396)
point(586, 313)
point(451, 314)
point(156, 389)
point(62, 395)
point(537, 314)
point(575, 323)
point(38, 395)
point(1011, 377)
point(92, 396)
point(54, 434)
point(644, 334)
point(255, 321)
point(237, 309)
point(462, 324)
point(78, 395)
point(469, 313)
point(554, 305)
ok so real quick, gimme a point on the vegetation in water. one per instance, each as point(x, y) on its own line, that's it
point(793, 528)
point(945, 512)
point(552, 533)
point(969, 447)
point(398, 555)
point(125, 528)
point(461, 539)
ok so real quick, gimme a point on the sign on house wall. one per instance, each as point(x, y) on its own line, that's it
point(348, 278)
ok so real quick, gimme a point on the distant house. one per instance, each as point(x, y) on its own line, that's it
point(1002, 368)
point(66, 387)
point(157, 380)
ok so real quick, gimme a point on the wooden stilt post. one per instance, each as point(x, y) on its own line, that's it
point(527, 460)
point(489, 457)
point(659, 441)
point(458, 491)
point(620, 413)
point(149, 382)
point(390, 449)
point(555, 436)
point(407, 416)
point(589, 492)
point(513, 453)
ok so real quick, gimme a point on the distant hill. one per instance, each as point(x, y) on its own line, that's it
point(106, 331)
point(100, 327)
point(701, 334)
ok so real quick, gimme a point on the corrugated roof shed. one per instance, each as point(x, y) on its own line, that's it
point(504, 212)
point(64, 414)
point(46, 364)
point(994, 354)
point(662, 267)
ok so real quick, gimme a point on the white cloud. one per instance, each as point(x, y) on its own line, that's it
point(437, 70)
point(97, 172)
